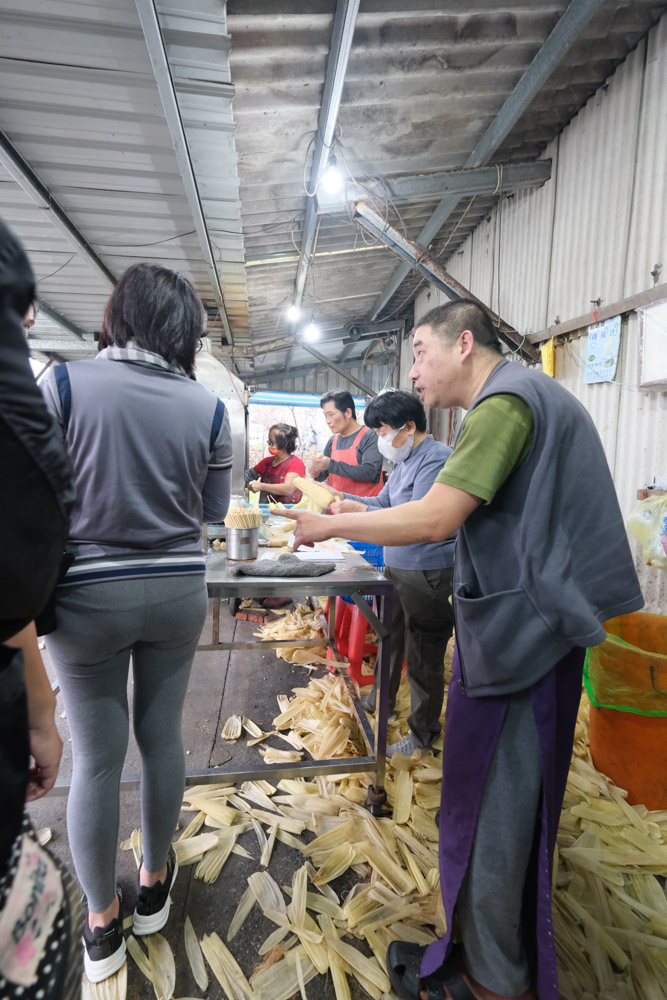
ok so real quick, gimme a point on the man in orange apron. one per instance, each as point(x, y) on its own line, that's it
point(351, 462)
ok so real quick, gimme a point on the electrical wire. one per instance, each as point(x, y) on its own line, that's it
point(57, 270)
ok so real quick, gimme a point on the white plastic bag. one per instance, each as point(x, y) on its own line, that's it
point(648, 523)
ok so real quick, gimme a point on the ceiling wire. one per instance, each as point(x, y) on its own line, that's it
point(57, 270)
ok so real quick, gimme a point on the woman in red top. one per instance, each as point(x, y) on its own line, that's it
point(276, 474)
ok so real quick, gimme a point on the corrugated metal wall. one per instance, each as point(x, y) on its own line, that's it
point(596, 230)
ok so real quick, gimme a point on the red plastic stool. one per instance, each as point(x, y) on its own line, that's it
point(357, 647)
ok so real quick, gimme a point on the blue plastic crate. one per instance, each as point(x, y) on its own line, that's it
point(374, 554)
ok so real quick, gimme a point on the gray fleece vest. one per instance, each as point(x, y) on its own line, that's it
point(540, 567)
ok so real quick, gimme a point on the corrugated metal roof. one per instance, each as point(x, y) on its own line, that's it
point(422, 85)
point(80, 102)
point(424, 81)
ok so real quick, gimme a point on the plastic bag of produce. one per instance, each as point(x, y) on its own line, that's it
point(648, 523)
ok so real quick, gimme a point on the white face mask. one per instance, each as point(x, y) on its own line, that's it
point(387, 450)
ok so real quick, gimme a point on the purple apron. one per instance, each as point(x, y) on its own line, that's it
point(472, 730)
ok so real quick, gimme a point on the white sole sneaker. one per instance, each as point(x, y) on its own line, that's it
point(154, 922)
point(97, 972)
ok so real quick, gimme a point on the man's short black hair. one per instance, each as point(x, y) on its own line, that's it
point(449, 322)
point(342, 400)
point(395, 407)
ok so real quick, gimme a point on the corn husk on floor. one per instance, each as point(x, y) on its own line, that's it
point(610, 908)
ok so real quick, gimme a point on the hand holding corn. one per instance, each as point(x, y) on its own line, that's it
point(309, 528)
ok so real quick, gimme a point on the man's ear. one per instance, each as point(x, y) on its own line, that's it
point(466, 344)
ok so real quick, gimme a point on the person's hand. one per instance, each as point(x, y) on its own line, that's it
point(46, 748)
point(255, 485)
point(319, 465)
point(309, 528)
point(347, 507)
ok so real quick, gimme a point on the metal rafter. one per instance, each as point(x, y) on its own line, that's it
point(158, 55)
point(430, 267)
point(21, 171)
point(341, 42)
point(416, 188)
point(340, 371)
point(567, 30)
point(270, 375)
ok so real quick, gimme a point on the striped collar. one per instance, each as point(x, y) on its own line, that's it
point(133, 353)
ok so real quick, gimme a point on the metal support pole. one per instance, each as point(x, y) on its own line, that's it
point(157, 52)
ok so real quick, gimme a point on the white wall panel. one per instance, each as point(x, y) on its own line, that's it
point(648, 232)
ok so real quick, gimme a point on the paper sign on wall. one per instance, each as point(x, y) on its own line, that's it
point(602, 350)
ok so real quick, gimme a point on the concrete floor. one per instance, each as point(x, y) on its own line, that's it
point(222, 683)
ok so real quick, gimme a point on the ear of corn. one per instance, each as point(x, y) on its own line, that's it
point(195, 956)
point(320, 497)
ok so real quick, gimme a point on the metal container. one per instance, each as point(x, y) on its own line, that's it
point(242, 544)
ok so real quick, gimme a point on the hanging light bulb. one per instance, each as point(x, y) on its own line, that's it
point(331, 179)
point(293, 312)
point(312, 331)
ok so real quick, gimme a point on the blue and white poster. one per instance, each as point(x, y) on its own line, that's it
point(602, 350)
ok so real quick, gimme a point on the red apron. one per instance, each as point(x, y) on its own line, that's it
point(359, 487)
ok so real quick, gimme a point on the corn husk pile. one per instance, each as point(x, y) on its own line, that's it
point(609, 905)
point(610, 909)
point(302, 623)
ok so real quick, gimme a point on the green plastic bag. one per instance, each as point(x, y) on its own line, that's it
point(628, 671)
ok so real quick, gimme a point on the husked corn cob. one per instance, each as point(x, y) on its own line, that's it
point(319, 497)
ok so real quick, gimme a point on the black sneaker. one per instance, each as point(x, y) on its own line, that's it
point(151, 910)
point(104, 947)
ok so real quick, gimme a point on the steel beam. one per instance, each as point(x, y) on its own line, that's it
point(430, 267)
point(62, 321)
point(341, 42)
point(570, 25)
point(21, 171)
point(271, 373)
point(158, 55)
point(411, 190)
point(340, 371)
point(50, 346)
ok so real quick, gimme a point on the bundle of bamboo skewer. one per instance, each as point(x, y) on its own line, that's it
point(243, 517)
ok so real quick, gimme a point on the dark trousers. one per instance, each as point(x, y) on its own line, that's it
point(421, 627)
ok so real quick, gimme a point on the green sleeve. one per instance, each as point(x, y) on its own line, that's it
point(495, 439)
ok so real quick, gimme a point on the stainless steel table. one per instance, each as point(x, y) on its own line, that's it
point(353, 577)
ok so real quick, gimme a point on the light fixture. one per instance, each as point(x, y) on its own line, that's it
point(312, 331)
point(293, 312)
point(331, 179)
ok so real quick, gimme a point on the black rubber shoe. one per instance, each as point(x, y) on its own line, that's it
point(151, 910)
point(104, 947)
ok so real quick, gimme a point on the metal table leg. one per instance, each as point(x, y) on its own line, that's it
point(377, 796)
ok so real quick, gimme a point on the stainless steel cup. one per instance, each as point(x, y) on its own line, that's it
point(242, 544)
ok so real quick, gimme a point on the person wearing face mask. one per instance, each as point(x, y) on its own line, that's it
point(421, 574)
point(274, 476)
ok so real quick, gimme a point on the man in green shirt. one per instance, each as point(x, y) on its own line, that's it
point(537, 571)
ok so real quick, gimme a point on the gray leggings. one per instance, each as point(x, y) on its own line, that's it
point(158, 621)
